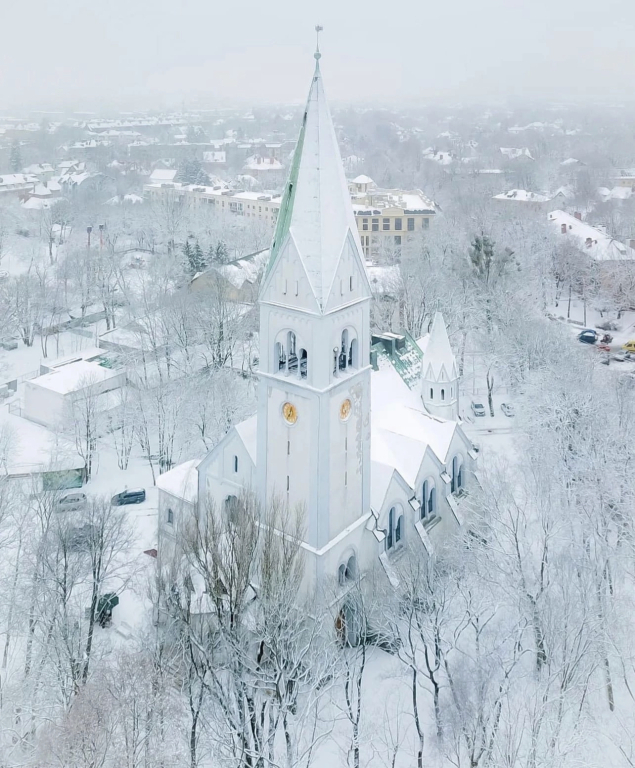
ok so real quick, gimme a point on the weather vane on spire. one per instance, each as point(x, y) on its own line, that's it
point(317, 53)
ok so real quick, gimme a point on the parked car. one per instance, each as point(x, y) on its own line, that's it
point(619, 357)
point(588, 336)
point(71, 502)
point(508, 409)
point(478, 409)
point(629, 346)
point(129, 496)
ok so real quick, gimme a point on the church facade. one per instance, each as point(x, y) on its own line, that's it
point(371, 460)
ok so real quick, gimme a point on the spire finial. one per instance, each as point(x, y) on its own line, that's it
point(317, 55)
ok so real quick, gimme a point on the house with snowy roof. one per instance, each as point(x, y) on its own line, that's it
point(372, 459)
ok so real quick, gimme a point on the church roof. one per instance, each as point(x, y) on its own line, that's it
point(316, 211)
point(438, 355)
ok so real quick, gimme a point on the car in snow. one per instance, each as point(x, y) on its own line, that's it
point(620, 357)
point(629, 346)
point(508, 409)
point(129, 496)
point(588, 336)
point(478, 409)
point(71, 502)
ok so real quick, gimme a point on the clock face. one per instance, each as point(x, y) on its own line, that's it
point(290, 413)
point(345, 410)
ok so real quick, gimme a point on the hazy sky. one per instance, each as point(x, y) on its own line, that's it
point(147, 52)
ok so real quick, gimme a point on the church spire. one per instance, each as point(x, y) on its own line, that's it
point(439, 373)
point(316, 214)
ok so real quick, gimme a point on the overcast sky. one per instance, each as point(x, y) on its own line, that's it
point(150, 52)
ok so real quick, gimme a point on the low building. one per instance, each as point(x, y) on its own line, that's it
point(239, 279)
point(48, 398)
point(591, 241)
point(37, 457)
point(221, 199)
point(17, 184)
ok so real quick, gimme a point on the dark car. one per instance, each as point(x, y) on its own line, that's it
point(588, 336)
point(129, 496)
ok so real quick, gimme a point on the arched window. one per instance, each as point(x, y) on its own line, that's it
point(235, 463)
point(428, 500)
point(343, 360)
point(280, 357)
point(353, 355)
point(457, 474)
point(347, 572)
point(443, 394)
point(431, 393)
point(395, 531)
point(170, 516)
point(292, 365)
point(432, 502)
point(304, 362)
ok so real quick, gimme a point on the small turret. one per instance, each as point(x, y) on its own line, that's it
point(440, 373)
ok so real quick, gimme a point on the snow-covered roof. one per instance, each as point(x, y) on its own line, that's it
point(316, 218)
point(181, 481)
point(590, 240)
point(33, 448)
point(617, 193)
point(523, 196)
point(162, 175)
point(515, 152)
point(260, 163)
point(363, 180)
point(244, 270)
point(247, 431)
point(75, 376)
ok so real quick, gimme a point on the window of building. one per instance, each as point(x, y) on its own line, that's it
point(426, 223)
point(385, 224)
point(397, 239)
point(411, 225)
point(457, 474)
point(347, 571)
point(428, 500)
point(235, 463)
point(365, 224)
point(287, 483)
point(288, 447)
point(394, 534)
point(375, 225)
point(170, 517)
point(398, 224)
point(345, 478)
point(431, 393)
point(350, 280)
point(443, 394)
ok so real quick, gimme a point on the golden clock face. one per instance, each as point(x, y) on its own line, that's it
point(290, 413)
point(345, 410)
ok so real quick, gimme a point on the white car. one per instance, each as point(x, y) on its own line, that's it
point(508, 409)
point(478, 409)
point(71, 502)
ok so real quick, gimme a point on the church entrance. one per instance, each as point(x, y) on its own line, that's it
point(348, 624)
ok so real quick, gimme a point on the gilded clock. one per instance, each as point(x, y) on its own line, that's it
point(345, 410)
point(290, 413)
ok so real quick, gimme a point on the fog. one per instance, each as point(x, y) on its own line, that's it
point(143, 53)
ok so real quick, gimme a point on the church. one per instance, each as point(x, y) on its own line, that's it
point(375, 456)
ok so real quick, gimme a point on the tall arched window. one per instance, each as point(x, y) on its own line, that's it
point(457, 474)
point(304, 364)
point(431, 393)
point(343, 361)
point(353, 360)
point(432, 502)
point(231, 509)
point(443, 394)
point(395, 531)
point(292, 365)
point(280, 357)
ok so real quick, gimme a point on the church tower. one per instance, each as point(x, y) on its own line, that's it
point(313, 444)
point(440, 374)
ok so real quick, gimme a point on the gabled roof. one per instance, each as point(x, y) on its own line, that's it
point(316, 212)
point(439, 359)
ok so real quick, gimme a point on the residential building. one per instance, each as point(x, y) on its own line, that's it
point(17, 184)
point(386, 218)
point(369, 468)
